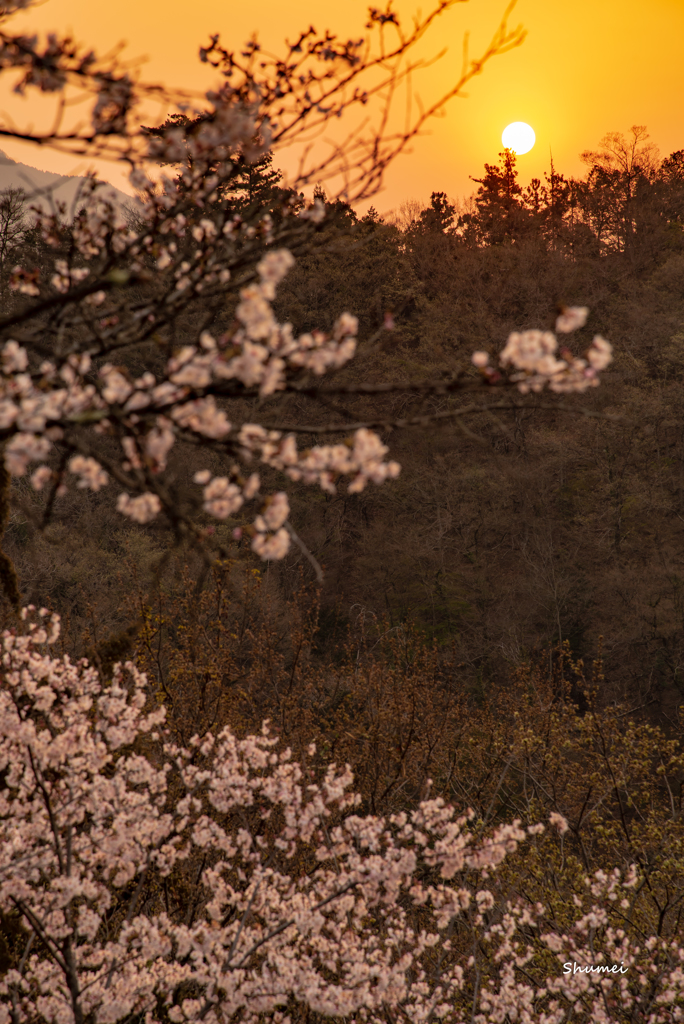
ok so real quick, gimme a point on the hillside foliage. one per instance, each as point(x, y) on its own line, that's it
point(199, 397)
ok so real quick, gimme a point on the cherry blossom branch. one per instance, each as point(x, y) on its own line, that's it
point(188, 250)
point(354, 936)
point(40, 931)
point(288, 924)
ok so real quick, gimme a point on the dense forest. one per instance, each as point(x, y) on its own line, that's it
point(499, 542)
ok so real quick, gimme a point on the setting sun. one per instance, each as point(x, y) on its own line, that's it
point(519, 137)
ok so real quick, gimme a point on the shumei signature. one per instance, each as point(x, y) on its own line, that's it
point(575, 968)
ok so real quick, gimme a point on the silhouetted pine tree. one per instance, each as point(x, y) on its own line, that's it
point(251, 185)
point(501, 213)
point(440, 214)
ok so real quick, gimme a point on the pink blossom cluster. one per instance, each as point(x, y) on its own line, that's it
point(374, 926)
point(64, 277)
point(233, 124)
point(266, 348)
point(98, 223)
point(271, 539)
point(533, 352)
point(41, 406)
point(90, 472)
point(24, 281)
point(143, 508)
point(604, 974)
point(223, 496)
point(362, 458)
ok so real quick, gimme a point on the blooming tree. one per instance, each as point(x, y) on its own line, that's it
point(225, 882)
point(74, 410)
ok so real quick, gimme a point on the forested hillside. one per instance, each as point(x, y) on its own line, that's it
point(529, 528)
point(559, 526)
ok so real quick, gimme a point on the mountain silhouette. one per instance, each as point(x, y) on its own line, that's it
point(43, 186)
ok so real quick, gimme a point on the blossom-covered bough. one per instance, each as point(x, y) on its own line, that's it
point(225, 882)
point(77, 410)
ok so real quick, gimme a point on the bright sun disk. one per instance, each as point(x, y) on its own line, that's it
point(519, 137)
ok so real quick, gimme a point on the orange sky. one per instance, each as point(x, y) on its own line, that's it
point(586, 67)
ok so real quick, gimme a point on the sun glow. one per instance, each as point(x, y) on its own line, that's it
point(519, 137)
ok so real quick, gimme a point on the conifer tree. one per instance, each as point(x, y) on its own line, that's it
point(439, 216)
point(499, 200)
point(251, 186)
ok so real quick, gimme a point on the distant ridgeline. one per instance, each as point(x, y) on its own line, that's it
point(40, 186)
